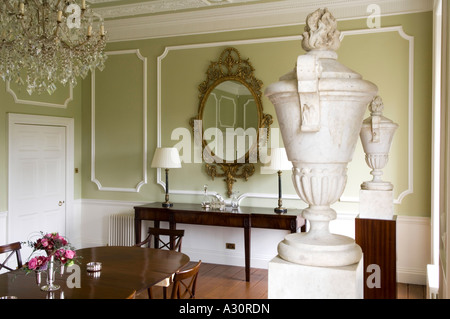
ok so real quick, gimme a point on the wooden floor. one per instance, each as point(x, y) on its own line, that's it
point(228, 282)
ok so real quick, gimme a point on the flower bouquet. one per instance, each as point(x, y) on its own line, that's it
point(58, 251)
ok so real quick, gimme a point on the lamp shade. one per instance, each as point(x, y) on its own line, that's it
point(166, 157)
point(279, 160)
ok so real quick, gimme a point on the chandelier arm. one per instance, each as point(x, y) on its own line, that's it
point(9, 6)
point(57, 29)
point(37, 3)
point(43, 19)
point(68, 46)
point(24, 27)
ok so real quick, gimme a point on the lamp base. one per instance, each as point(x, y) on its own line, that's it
point(280, 210)
point(167, 204)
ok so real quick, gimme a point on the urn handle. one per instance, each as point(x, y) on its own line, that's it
point(376, 111)
point(308, 74)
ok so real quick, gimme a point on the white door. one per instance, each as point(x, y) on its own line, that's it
point(37, 181)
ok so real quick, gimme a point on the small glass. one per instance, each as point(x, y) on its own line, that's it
point(235, 200)
point(94, 266)
point(206, 202)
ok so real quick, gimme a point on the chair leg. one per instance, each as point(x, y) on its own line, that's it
point(165, 292)
point(150, 295)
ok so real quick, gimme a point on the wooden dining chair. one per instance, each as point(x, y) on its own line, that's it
point(13, 248)
point(184, 283)
point(173, 242)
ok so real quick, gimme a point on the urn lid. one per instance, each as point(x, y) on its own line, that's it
point(318, 70)
point(373, 126)
point(318, 76)
point(376, 107)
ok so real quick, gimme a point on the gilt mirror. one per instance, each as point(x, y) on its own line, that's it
point(230, 122)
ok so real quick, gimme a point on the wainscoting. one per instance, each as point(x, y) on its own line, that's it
point(208, 242)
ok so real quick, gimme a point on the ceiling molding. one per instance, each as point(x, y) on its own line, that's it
point(249, 16)
point(158, 6)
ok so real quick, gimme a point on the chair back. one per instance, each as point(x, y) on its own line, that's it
point(184, 283)
point(12, 249)
point(173, 242)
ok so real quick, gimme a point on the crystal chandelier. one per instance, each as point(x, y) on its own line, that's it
point(44, 42)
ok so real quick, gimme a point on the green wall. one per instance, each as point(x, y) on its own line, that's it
point(177, 65)
point(175, 68)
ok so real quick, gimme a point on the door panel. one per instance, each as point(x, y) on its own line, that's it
point(37, 181)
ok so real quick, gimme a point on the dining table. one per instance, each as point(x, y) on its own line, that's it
point(124, 272)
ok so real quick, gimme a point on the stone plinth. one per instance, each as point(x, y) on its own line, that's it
point(376, 204)
point(294, 281)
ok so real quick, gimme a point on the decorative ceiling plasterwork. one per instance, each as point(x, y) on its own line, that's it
point(157, 6)
point(161, 18)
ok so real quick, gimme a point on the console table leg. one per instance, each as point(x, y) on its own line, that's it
point(247, 249)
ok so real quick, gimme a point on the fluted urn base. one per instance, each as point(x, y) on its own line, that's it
point(320, 185)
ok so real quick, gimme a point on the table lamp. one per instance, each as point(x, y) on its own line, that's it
point(166, 157)
point(279, 162)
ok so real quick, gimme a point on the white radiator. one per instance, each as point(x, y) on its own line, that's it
point(121, 230)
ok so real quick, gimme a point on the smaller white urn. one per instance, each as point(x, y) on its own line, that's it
point(376, 136)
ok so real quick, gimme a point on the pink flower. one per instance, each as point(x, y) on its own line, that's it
point(41, 261)
point(44, 242)
point(32, 264)
point(70, 254)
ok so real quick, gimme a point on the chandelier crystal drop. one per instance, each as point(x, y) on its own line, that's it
point(45, 42)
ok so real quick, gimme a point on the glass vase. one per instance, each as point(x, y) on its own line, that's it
point(51, 286)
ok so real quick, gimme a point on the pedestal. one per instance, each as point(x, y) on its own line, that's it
point(377, 239)
point(288, 280)
point(376, 204)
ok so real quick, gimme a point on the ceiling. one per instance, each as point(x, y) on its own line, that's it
point(143, 19)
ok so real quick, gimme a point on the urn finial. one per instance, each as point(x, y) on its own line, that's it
point(376, 106)
point(321, 31)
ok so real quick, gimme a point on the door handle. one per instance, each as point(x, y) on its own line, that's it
point(61, 202)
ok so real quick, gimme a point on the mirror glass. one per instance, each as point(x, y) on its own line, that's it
point(230, 120)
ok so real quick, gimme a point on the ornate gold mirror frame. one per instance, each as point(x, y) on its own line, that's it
point(230, 67)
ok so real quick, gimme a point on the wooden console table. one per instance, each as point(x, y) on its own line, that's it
point(244, 217)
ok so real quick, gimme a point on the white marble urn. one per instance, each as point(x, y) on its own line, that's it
point(320, 107)
point(376, 136)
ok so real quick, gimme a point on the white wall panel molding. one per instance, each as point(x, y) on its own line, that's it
point(39, 103)
point(142, 182)
point(347, 33)
point(410, 39)
point(159, 123)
